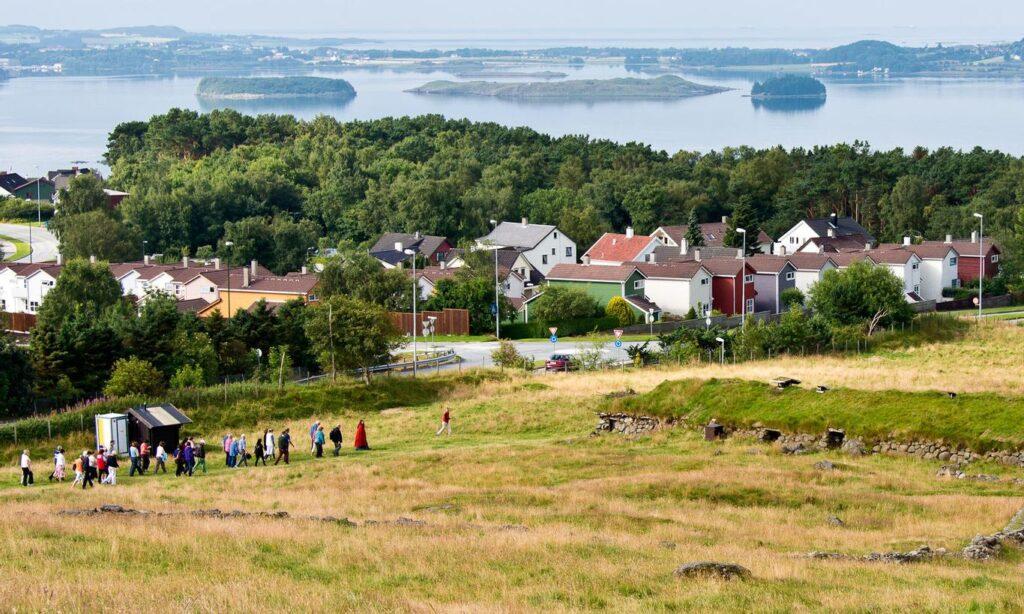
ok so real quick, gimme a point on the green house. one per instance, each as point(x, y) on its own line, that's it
point(13, 184)
point(606, 282)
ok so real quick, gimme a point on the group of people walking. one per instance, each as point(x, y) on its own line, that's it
point(190, 454)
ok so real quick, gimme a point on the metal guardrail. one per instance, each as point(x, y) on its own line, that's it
point(444, 358)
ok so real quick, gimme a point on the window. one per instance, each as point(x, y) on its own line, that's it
point(995, 258)
point(955, 284)
point(952, 261)
point(638, 284)
point(34, 305)
point(792, 240)
point(790, 276)
point(914, 266)
point(568, 252)
point(750, 305)
point(544, 259)
point(212, 290)
point(647, 257)
point(917, 288)
point(748, 279)
point(556, 235)
point(704, 281)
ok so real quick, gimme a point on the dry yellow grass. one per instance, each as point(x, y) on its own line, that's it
point(606, 519)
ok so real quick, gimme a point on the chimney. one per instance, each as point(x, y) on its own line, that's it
point(586, 260)
point(867, 247)
point(833, 220)
point(252, 265)
point(782, 250)
point(949, 238)
point(525, 222)
point(184, 261)
point(399, 247)
point(654, 258)
point(629, 232)
point(906, 241)
point(304, 270)
point(739, 253)
point(216, 263)
point(974, 236)
point(245, 277)
point(418, 236)
point(60, 258)
point(696, 255)
point(92, 259)
point(145, 259)
point(74, 170)
point(684, 246)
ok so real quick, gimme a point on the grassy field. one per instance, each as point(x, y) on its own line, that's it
point(21, 248)
point(524, 511)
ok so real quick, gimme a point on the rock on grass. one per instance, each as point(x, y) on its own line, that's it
point(713, 570)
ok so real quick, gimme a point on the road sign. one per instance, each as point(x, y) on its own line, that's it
point(554, 338)
point(618, 343)
point(618, 333)
point(494, 309)
point(553, 330)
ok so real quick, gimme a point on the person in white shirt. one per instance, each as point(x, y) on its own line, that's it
point(58, 465)
point(27, 479)
point(268, 444)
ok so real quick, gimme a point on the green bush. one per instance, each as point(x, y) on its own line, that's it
point(619, 309)
point(508, 356)
point(566, 328)
point(188, 376)
point(28, 210)
point(790, 297)
point(134, 377)
point(563, 303)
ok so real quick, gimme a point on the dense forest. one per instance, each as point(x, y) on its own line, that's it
point(275, 185)
point(789, 86)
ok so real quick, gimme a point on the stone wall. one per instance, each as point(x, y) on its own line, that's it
point(798, 443)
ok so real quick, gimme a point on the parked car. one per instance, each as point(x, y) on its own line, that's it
point(561, 362)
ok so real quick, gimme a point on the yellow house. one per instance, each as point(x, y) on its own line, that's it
point(239, 289)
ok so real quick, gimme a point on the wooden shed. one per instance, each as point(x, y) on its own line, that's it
point(156, 423)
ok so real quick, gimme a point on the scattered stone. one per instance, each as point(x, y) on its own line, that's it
point(825, 555)
point(784, 382)
point(710, 569)
point(983, 547)
point(825, 465)
point(626, 424)
point(835, 521)
point(923, 553)
point(718, 453)
point(618, 394)
point(854, 447)
point(793, 448)
point(821, 389)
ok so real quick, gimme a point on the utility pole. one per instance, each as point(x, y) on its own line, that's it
point(497, 291)
point(415, 294)
point(981, 259)
point(228, 244)
point(743, 278)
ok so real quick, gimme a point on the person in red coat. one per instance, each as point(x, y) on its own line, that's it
point(360, 440)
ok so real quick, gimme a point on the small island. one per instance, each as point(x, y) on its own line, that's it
point(660, 88)
point(259, 88)
point(789, 86)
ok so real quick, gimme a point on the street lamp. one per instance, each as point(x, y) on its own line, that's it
point(415, 294)
point(721, 342)
point(650, 320)
point(981, 259)
point(31, 250)
point(228, 244)
point(497, 290)
point(743, 277)
point(144, 242)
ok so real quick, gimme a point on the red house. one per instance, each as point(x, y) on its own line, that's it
point(970, 260)
point(731, 284)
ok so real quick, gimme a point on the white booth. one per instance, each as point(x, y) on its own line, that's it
point(112, 428)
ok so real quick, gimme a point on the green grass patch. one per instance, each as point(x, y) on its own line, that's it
point(980, 421)
point(21, 248)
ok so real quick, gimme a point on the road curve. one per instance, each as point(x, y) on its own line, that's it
point(44, 244)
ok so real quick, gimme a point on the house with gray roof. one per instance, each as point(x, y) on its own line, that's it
point(433, 248)
point(543, 245)
point(805, 233)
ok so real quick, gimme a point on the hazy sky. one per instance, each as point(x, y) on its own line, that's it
point(951, 18)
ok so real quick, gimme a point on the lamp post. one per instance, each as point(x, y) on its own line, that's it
point(144, 243)
point(743, 278)
point(721, 343)
point(497, 291)
point(981, 259)
point(650, 321)
point(31, 250)
point(228, 244)
point(415, 294)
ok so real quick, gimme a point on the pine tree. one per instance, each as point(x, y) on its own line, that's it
point(694, 237)
point(743, 216)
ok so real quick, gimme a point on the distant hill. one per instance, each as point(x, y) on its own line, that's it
point(869, 54)
point(789, 86)
point(668, 86)
point(248, 88)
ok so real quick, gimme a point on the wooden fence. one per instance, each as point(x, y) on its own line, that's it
point(449, 321)
point(19, 322)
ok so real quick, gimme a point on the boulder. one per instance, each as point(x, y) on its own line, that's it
point(711, 569)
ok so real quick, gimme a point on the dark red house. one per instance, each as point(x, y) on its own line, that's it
point(731, 284)
point(970, 262)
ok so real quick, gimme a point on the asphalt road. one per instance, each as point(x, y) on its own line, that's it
point(44, 244)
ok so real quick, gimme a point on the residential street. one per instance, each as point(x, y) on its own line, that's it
point(44, 244)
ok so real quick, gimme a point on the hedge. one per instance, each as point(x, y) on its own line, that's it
point(566, 328)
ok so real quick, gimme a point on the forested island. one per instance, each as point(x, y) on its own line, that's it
point(789, 86)
point(667, 86)
point(251, 88)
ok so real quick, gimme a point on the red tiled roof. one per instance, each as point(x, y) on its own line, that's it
point(618, 248)
point(583, 272)
point(804, 261)
point(892, 256)
point(845, 259)
point(931, 250)
point(723, 267)
point(765, 263)
point(967, 248)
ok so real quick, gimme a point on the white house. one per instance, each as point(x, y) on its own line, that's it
point(678, 287)
point(906, 265)
point(810, 268)
point(810, 234)
point(613, 249)
point(24, 286)
point(544, 246)
point(939, 266)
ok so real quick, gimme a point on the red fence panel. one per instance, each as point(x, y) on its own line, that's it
point(449, 321)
